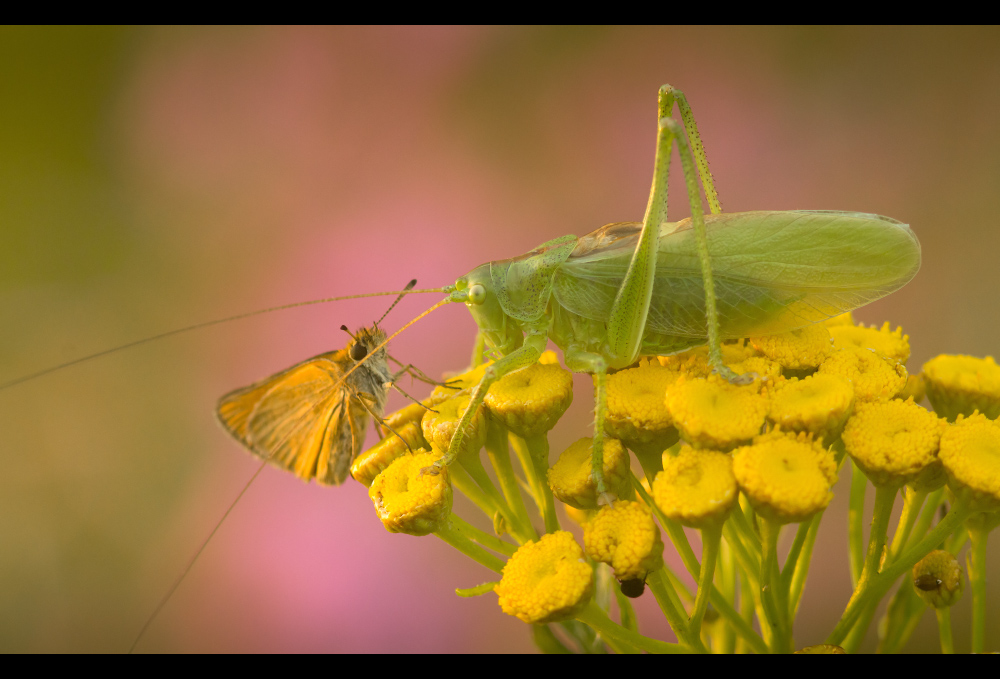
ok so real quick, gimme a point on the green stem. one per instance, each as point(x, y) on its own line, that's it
point(711, 538)
point(977, 578)
point(538, 448)
point(801, 569)
point(944, 630)
point(855, 523)
point(672, 609)
point(597, 619)
point(875, 587)
point(748, 539)
point(679, 539)
point(473, 465)
point(927, 514)
point(912, 503)
point(902, 616)
point(857, 634)
point(499, 452)
point(726, 641)
point(453, 533)
point(771, 590)
point(482, 537)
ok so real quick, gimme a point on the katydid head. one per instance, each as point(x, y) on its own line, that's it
point(476, 289)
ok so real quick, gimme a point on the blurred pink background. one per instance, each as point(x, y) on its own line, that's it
point(161, 177)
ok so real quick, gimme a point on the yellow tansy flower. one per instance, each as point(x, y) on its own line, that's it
point(572, 481)
point(546, 581)
point(787, 478)
point(625, 537)
point(798, 349)
point(368, 464)
point(694, 362)
point(409, 501)
point(548, 357)
point(636, 413)
point(711, 413)
point(439, 425)
point(892, 441)
point(892, 344)
point(530, 401)
point(970, 453)
point(958, 385)
point(466, 380)
point(696, 487)
point(819, 404)
point(938, 579)
point(874, 378)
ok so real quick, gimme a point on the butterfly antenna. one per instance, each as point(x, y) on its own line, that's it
point(198, 326)
point(401, 295)
point(446, 300)
point(344, 328)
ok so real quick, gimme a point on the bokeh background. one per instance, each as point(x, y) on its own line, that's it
point(154, 178)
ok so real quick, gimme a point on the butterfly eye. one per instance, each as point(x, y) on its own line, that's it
point(358, 351)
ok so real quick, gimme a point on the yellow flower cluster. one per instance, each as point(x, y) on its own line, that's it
point(970, 453)
point(696, 487)
point(711, 413)
point(407, 499)
point(960, 385)
point(571, 478)
point(892, 441)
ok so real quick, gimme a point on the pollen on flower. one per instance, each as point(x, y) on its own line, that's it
point(970, 453)
point(786, 477)
point(571, 478)
point(711, 413)
point(376, 459)
point(530, 401)
point(892, 344)
point(408, 501)
point(959, 385)
point(439, 425)
point(546, 581)
point(636, 413)
point(892, 441)
point(625, 536)
point(696, 487)
point(819, 404)
point(798, 349)
point(874, 378)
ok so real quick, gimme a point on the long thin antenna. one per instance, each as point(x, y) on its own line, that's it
point(197, 326)
point(187, 569)
point(401, 295)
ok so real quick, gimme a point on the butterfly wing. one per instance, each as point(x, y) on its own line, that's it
point(303, 419)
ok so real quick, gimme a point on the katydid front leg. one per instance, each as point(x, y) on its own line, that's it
point(528, 353)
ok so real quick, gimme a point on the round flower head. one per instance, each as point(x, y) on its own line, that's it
point(409, 501)
point(959, 385)
point(439, 425)
point(874, 378)
point(530, 401)
point(938, 579)
point(798, 349)
point(888, 343)
point(818, 404)
point(696, 487)
point(625, 537)
point(711, 413)
point(738, 356)
point(970, 453)
point(892, 441)
point(572, 481)
point(376, 459)
point(466, 380)
point(636, 413)
point(546, 581)
point(786, 477)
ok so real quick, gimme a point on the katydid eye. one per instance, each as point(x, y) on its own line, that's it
point(358, 351)
point(477, 294)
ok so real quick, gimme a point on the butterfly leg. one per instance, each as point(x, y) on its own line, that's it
point(366, 400)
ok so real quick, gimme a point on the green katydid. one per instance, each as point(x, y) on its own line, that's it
point(657, 288)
